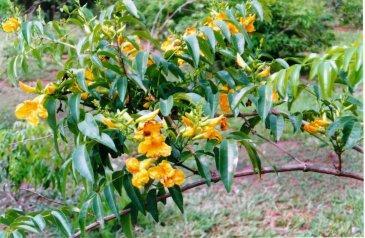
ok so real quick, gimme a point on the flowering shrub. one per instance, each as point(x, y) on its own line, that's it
point(160, 106)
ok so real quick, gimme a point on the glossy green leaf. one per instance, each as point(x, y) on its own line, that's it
point(224, 28)
point(74, 104)
point(111, 201)
point(62, 222)
point(253, 155)
point(352, 132)
point(240, 95)
point(209, 33)
point(258, 8)
point(122, 85)
point(127, 226)
point(80, 78)
point(194, 49)
point(264, 102)
point(203, 169)
point(238, 41)
point(166, 105)
point(325, 79)
point(228, 158)
point(131, 7)
point(152, 204)
point(277, 125)
point(133, 193)
point(81, 162)
point(98, 210)
point(141, 63)
point(83, 214)
point(177, 196)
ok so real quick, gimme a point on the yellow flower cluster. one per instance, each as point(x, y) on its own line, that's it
point(11, 25)
point(247, 22)
point(172, 43)
point(317, 125)
point(275, 97)
point(145, 170)
point(203, 128)
point(153, 142)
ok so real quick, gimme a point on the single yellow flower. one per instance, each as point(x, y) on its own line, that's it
point(50, 89)
point(31, 110)
point(11, 25)
point(247, 23)
point(321, 122)
point(154, 146)
point(120, 40)
point(265, 72)
point(26, 88)
point(209, 133)
point(140, 179)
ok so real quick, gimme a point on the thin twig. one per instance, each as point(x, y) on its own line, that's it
point(32, 139)
point(243, 173)
point(42, 196)
point(173, 14)
point(278, 147)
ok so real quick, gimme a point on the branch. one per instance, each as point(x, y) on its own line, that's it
point(243, 173)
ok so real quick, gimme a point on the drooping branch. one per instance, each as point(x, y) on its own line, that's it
point(246, 172)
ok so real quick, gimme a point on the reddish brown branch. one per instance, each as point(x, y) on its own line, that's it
point(243, 173)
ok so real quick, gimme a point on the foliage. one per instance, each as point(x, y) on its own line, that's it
point(166, 105)
point(297, 26)
point(20, 150)
point(349, 12)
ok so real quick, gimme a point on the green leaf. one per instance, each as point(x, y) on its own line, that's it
point(131, 7)
point(83, 214)
point(352, 132)
point(122, 85)
point(88, 127)
point(74, 104)
point(133, 193)
point(282, 62)
point(209, 33)
point(127, 226)
point(106, 140)
point(228, 158)
point(193, 98)
point(193, 46)
point(50, 105)
point(141, 63)
point(227, 78)
point(81, 162)
point(276, 125)
point(152, 204)
point(166, 105)
point(240, 95)
point(224, 28)
point(27, 31)
point(136, 78)
point(252, 154)
point(80, 78)
point(203, 169)
point(98, 210)
point(293, 74)
point(39, 221)
point(238, 41)
point(264, 102)
point(296, 120)
point(110, 200)
point(281, 82)
point(258, 8)
point(339, 124)
point(177, 196)
point(325, 79)
point(62, 222)
point(117, 178)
